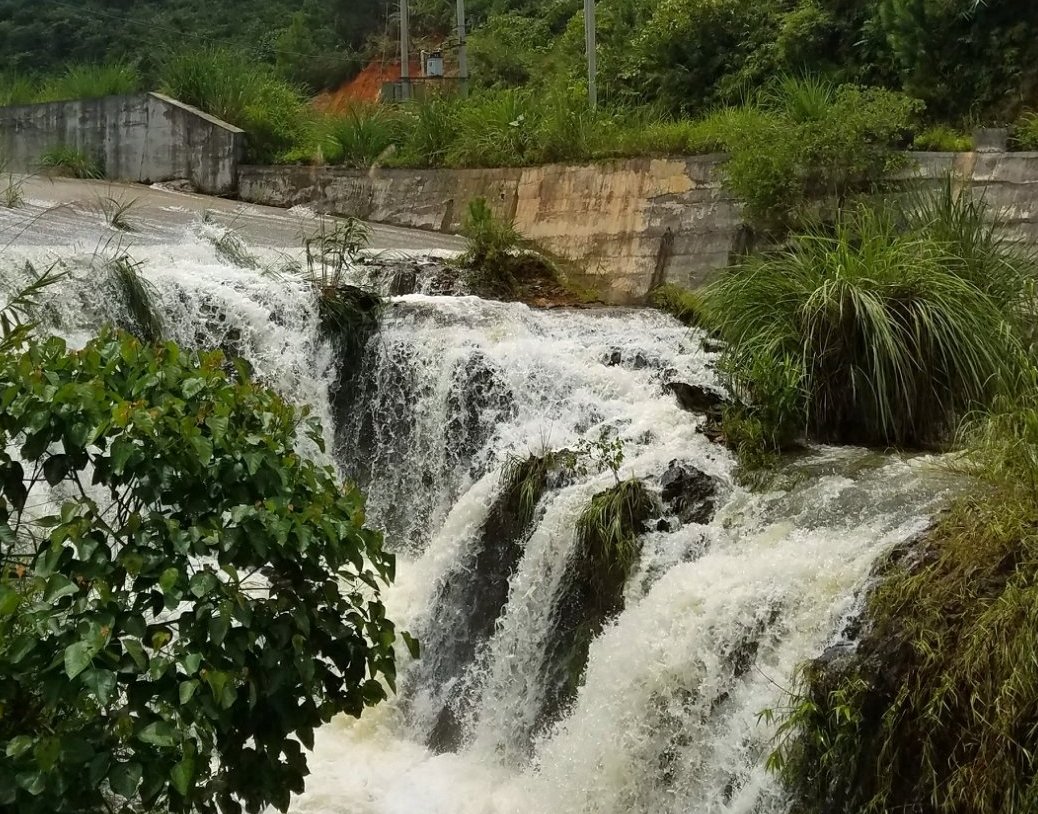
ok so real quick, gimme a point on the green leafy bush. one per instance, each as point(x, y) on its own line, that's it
point(804, 140)
point(197, 599)
point(894, 328)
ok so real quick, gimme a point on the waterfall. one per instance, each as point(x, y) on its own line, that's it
point(716, 615)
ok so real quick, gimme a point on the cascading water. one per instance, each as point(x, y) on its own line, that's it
point(715, 616)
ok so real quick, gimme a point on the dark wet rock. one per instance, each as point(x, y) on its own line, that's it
point(591, 593)
point(637, 360)
point(713, 345)
point(471, 599)
point(689, 493)
point(404, 281)
point(695, 398)
point(478, 401)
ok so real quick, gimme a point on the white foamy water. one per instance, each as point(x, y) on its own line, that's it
point(716, 617)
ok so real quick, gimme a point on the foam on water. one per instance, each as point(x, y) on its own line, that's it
point(716, 616)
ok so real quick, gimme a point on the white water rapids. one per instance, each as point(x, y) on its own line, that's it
point(716, 619)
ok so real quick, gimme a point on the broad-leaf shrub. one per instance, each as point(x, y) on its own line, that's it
point(184, 597)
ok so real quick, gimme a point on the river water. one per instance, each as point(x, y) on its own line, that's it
point(716, 617)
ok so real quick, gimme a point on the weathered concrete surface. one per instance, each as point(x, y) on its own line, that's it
point(628, 223)
point(631, 224)
point(146, 137)
point(68, 214)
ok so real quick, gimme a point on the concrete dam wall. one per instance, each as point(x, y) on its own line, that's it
point(632, 224)
point(145, 137)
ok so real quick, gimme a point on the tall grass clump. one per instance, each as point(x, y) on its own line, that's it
point(935, 710)
point(90, 82)
point(431, 129)
point(121, 275)
point(16, 90)
point(228, 85)
point(348, 313)
point(495, 128)
point(363, 135)
point(684, 305)
point(71, 162)
point(498, 262)
point(1025, 132)
point(943, 139)
point(887, 331)
point(607, 535)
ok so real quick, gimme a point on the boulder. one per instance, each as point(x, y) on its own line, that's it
point(695, 398)
point(689, 493)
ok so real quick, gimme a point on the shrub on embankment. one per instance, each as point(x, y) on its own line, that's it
point(884, 327)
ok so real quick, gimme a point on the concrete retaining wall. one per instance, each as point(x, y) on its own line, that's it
point(147, 137)
point(632, 224)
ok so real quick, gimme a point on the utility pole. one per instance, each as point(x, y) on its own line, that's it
point(591, 41)
point(463, 55)
point(405, 51)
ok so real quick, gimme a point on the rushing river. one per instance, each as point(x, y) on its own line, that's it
point(716, 616)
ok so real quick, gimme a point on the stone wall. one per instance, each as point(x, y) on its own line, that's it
point(631, 224)
point(146, 137)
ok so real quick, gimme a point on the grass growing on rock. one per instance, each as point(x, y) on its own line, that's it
point(607, 535)
point(684, 305)
point(936, 710)
point(499, 263)
point(122, 275)
point(70, 162)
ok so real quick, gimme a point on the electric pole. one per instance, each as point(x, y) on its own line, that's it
point(463, 56)
point(591, 42)
point(405, 49)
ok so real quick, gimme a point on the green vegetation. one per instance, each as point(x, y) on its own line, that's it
point(116, 212)
point(943, 139)
point(498, 262)
point(123, 278)
point(882, 328)
point(607, 535)
point(806, 140)
point(684, 305)
point(307, 41)
point(70, 161)
point(171, 636)
point(89, 82)
point(935, 709)
point(347, 312)
point(232, 87)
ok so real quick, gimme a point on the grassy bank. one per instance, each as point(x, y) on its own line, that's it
point(935, 709)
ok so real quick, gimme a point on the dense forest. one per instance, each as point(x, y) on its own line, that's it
point(314, 43)
point(970, 61)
